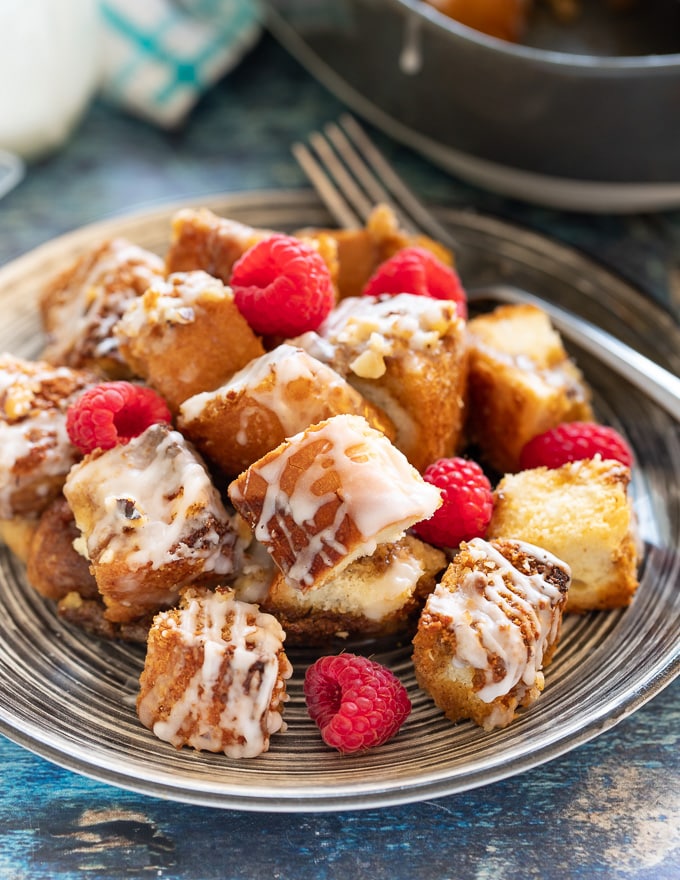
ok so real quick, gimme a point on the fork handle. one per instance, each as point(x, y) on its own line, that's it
point(658, 383)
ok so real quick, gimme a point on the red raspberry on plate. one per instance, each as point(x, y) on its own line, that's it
point(467, 503)
point(355, 702)
point(572, 441)
point(282, 287)
point(112, 413)
point(417, 270)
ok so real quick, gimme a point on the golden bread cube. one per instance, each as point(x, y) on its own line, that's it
point(275, 396)
point(521, 383)
point(36, 453)
point(329, 495)
point(582, 513)
point(151, 522)
point(407, 354)
point(215, 675)
point(185, 335)
point(83, 304)
point(489, 629)
point(375, 596)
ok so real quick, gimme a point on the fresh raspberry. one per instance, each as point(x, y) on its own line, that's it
point(572, 441)
point(417, 270)
point(355, 702)
point(282, 287)
point(112, 413)
point(467, 503)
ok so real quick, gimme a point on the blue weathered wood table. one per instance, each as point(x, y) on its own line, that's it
point(609, 809)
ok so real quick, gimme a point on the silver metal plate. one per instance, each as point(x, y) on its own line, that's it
point(70, 697)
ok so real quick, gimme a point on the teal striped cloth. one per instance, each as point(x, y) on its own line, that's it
point(160, 56)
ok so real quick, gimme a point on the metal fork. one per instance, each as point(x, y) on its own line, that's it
point(351, 176)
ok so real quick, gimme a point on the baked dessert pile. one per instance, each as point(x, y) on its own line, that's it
point(176, 472)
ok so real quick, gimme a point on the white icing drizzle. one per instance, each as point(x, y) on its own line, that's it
point(171, 302)
point(266, 380)
point(32, 426)
point(151, 498)
point(377, 327)
point(96, 297)
point(239, 672)
point(379, 491)
point(503, 613)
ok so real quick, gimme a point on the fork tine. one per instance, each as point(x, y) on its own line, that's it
point(334, 165)
point(421, 217)
point(330, 195)
point(364, 173)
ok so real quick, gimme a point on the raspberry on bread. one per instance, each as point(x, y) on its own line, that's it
point(572, 441)
point(418, 271)
point(282, 287)
point(113, 412)
point(467, 503)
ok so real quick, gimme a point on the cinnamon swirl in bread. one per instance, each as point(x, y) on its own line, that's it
point(488, 630)
point(215, 675)
point(375, 596)
point(82, 305)
point(151, 522)
point(329, 495)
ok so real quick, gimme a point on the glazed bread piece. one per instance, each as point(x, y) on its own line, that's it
point(329, 495)
point(375, 596)
point(151, 522)
point(582, 513)
point(489, 629)
point(521, 382)
point(408, 355)
point(185, 335)
point(273, 397)
point(53, 565)
point(82, 305)
point(215, 675)
point(361, 251)
point(35, 451)
point(204, 240)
